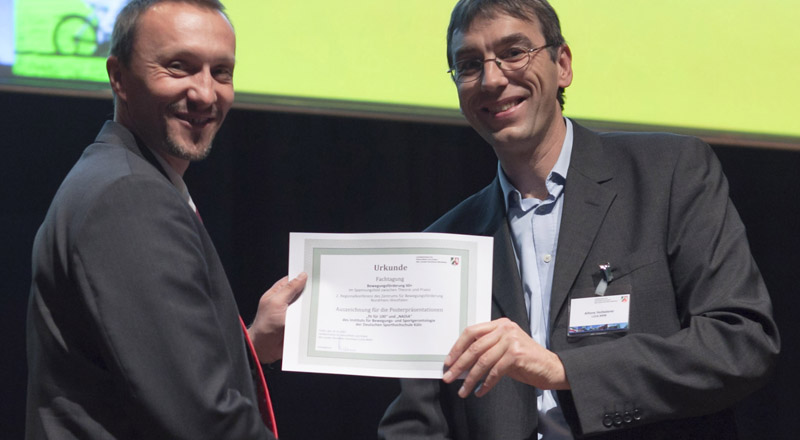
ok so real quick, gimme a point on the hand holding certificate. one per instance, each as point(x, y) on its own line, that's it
point(384, 304)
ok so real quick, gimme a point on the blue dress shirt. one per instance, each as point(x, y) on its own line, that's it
point(534, 227)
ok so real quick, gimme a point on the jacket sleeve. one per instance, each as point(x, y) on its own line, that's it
point(415, 414)
point(726, 341)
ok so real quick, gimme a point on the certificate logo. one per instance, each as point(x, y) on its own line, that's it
point(454, 261)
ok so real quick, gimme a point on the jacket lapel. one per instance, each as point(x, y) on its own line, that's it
point(586, 203)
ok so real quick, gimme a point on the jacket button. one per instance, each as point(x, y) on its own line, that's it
point(607, 421)
point(627, 417)
point(617, 419)
point(637, 415)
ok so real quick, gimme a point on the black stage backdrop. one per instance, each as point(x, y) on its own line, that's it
point(271, 173)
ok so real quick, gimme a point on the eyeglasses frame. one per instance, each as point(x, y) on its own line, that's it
point(528, 53)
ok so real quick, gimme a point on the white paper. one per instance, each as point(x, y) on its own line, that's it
point(388, 305)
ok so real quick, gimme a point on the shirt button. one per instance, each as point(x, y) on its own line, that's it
point(547, 258)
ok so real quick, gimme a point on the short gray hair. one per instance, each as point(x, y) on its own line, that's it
point(124, 34)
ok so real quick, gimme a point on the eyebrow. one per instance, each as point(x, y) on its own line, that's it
point(508, 40)
point(187, 54)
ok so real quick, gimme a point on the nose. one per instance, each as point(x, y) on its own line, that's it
point(492, 76)
point(202, 91)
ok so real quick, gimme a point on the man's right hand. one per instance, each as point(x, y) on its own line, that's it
point(266, 332)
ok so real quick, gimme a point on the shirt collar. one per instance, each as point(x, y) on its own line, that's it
point(555, 179)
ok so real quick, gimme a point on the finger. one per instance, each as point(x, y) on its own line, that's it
point(494, 375)
point(466, 339)
point(286, 291)
point(276, 286)
point(296, 287)
point(483, 369)
point(470, 356)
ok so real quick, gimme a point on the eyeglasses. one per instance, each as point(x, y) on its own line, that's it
point(514, 58)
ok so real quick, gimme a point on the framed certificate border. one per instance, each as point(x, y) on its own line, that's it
point(309, 253)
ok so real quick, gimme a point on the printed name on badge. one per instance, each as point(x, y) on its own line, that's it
point(599, 314)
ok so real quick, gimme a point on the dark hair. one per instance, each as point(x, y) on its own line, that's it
point(124, 34)
point(466, 11)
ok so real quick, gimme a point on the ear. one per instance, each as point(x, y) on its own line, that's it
point(115, 77)
point(564, 62)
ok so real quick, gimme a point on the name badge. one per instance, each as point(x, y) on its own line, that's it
point(599, 314)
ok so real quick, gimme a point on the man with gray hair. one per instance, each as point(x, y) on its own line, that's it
point(133, 331)
point(626, 303)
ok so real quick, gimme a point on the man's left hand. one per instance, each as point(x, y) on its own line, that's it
point(500, 348)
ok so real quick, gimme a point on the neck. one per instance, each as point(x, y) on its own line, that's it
point(527, 168)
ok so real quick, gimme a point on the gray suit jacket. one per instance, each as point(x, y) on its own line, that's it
point(133, 331)
point(701, 333)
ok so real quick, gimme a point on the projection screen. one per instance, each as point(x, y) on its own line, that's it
point(726, 70)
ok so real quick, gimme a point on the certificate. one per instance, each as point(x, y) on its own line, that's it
point(388, 305)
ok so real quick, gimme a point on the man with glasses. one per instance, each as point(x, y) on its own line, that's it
point(626, 303)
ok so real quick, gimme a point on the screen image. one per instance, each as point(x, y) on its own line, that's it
point(6, 34)
point(722, 69)
point(63, 39)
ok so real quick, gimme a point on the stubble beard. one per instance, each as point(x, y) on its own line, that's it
point(176, 149)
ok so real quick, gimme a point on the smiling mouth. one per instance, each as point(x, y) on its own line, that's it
point(197, 122)
point(505, 106)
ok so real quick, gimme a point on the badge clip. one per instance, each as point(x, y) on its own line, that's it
point(605, 269)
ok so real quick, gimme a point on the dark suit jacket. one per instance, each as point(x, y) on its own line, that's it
point(133, 331)
point(701, 334)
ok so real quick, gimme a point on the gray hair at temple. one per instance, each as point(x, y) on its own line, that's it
point(466, 11)
point(124, 34)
